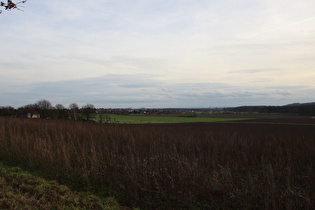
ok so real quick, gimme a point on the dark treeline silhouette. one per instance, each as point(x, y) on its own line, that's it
point(7, 111)
point(45, 110)
point(296, 108)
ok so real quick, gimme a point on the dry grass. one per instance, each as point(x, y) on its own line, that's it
point(184, 166)
point(21, 190)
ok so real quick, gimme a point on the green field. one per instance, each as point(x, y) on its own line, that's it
point(138, 119)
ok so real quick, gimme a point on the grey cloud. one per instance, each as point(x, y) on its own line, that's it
point(295, 87)
point(140, 62)
point(252, 71)
point(140, 90)
point(116, 62)
point(103, 85)
point(202, 85)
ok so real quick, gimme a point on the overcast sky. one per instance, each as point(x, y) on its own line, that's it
point(158, 53)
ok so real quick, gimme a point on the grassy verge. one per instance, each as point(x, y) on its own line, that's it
point(21, 190)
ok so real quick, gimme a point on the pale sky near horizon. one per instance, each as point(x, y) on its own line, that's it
point(158, 53)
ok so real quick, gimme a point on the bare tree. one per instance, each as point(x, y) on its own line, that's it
point(74, 110)
point(10, 5)
point(61, 112)
point(59, 106)
point(88, 111)
point(44, 107)
point(44, 104)
point(7, 111)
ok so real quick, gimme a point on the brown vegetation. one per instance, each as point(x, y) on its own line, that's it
point(21, 190)
point(206, 165)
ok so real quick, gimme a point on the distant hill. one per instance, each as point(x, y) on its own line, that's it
point(298, 108)
point(299, 104)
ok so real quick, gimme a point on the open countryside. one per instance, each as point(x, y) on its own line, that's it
point(133, 105)
point(242, 157)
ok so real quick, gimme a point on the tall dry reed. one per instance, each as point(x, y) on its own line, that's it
point(172, 166)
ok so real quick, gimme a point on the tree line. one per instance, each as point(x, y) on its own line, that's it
point(45, 110)
point(296, 108)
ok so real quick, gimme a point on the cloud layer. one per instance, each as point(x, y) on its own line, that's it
point(153, 91)
point(158, 53)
